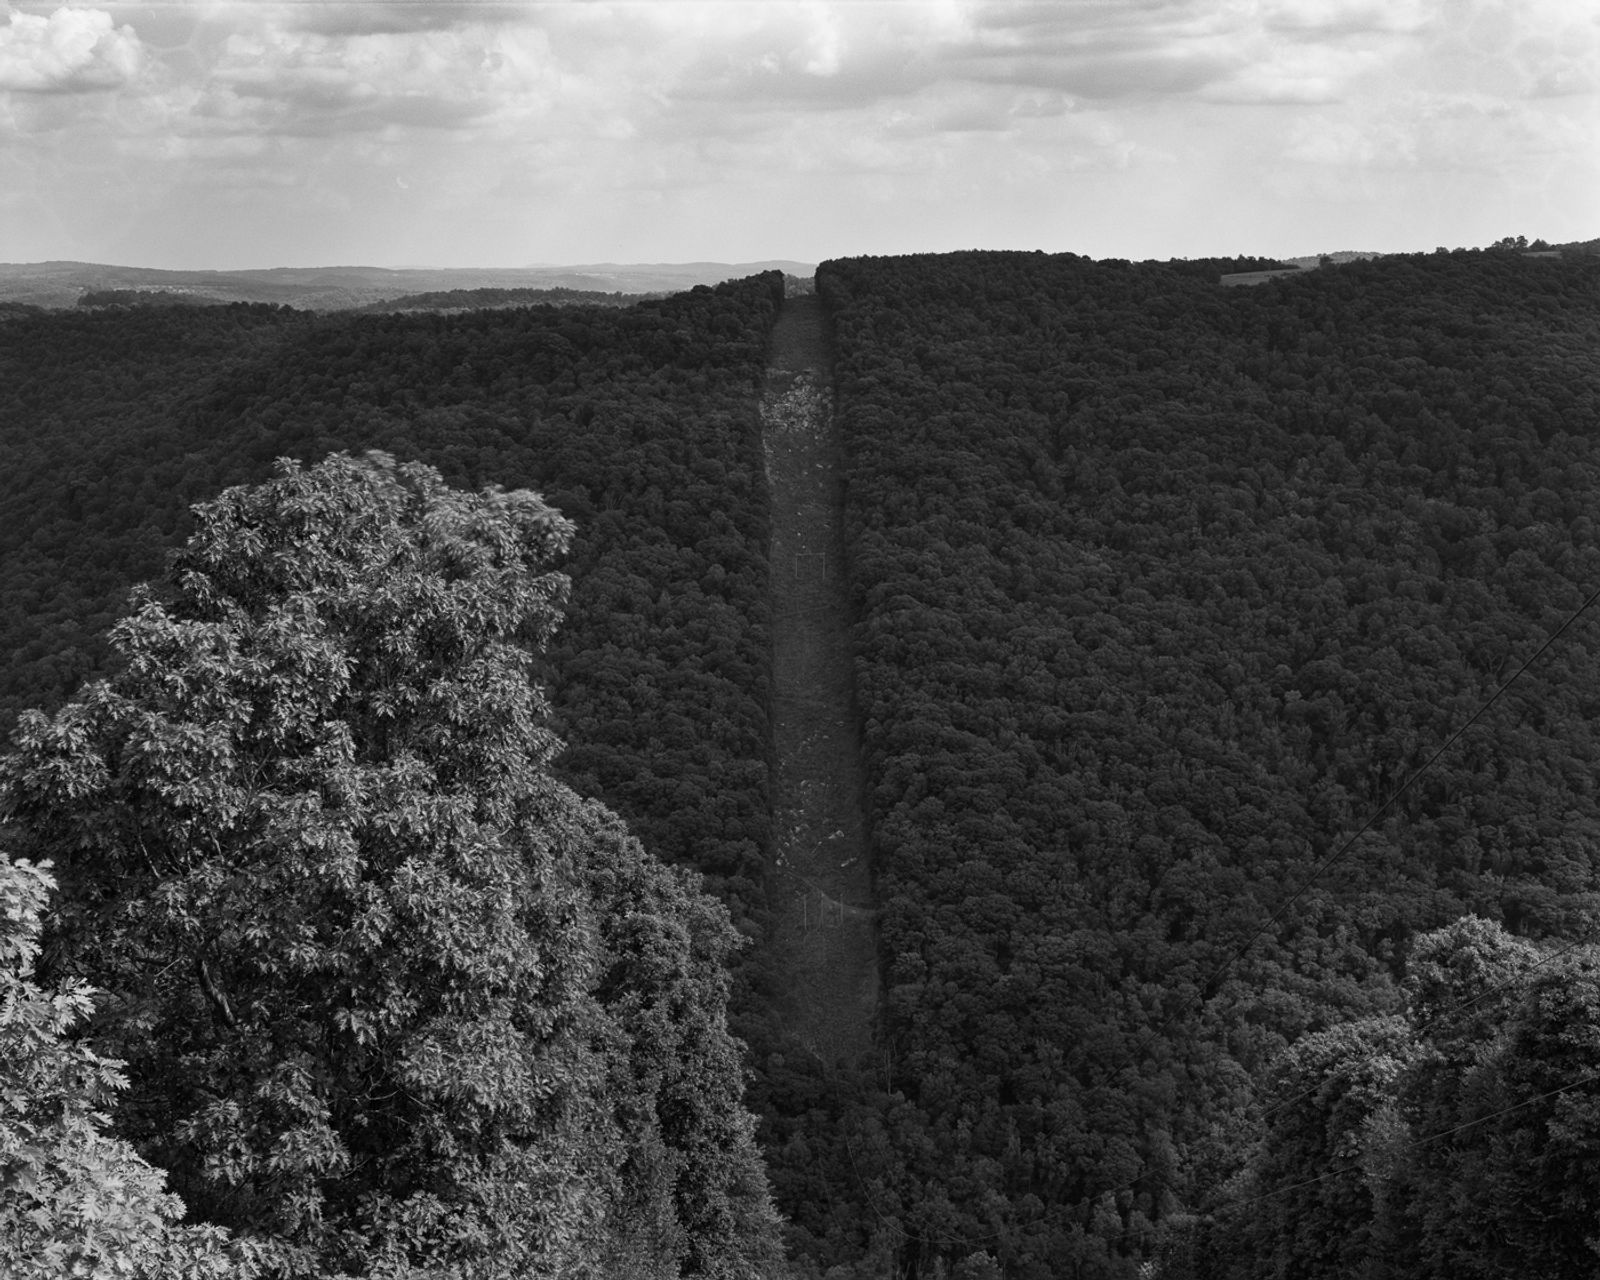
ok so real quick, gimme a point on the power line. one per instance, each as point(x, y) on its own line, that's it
point(1520, 976)
point(1420, 1142)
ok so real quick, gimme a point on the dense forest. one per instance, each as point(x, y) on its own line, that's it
point(1162, 590)
point(1165, 595)
point(639, 424)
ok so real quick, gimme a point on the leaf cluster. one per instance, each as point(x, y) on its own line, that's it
point(75, 1201)
point(373, 971)
point(1455, 1139)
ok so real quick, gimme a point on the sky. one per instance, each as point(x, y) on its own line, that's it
point(252, 133)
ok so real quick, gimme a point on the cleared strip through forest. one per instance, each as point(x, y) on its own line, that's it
point(821, 878)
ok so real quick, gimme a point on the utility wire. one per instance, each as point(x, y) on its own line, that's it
point(1339, 853)
point(1420, 1142)
point(1520, 976)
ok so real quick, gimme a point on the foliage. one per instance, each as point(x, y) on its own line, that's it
point(1456, 1140)
point(639, 422)
point(73, 1200)
point(1319, 1179)
point(353, 930)
point(1161, 588)
point(1499, 1107)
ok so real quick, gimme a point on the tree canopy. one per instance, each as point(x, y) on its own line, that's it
point(389, 995)
point(1161, 589)
point(1158, 590)
point(73, 1199)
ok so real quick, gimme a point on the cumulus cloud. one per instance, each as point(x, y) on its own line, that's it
point(634, 69)
point(377, 17)
point(1299, 74)
point(1322, 19)
point(1559, 59)
point(71, 51)
point(1436, 132)
point(300, 83)
point(1112, 75)
point(854, 56)
point(494, 107)
point(1483, 87)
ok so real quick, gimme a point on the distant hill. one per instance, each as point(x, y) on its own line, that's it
point(478, 299)
point(62, 284)
point(146, 298)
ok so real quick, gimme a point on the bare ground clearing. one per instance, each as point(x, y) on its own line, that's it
point(822, 882)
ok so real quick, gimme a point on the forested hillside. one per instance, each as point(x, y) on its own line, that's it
point(1163, 589)
point(640, 424)
point(1162, 594)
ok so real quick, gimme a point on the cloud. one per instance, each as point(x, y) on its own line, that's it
point(1559, 60)
point(71, 51)
point(1110, 75)
point(1485, 87)
point(496, 112)
point(1325, 19)
point(1299, 74)
point(1436, 132)
point(297, 83)
point(855, 56)
point(397, 17)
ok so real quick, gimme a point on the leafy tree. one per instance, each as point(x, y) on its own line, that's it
point(1309, 1193)
point(1501, 1106)
point(73, 1200)
point(1542, 1203)
point(1463, 983)
point(1455, 1141)
point(355, 934)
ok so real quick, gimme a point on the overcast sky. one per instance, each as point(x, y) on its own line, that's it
point(187, 133)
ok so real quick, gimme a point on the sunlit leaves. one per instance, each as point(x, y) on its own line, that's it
point(348, 921)
point(73, 1200)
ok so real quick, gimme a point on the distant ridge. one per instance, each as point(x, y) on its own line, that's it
point(676, 268)
point(61, 284)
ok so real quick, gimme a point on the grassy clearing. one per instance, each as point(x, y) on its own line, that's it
point(821, 876)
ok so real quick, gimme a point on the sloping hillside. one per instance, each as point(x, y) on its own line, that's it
point(1163, 590)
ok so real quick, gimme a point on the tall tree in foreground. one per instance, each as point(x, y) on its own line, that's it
point(378, 978)
point(73, 1200)
point(1453, 1141)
